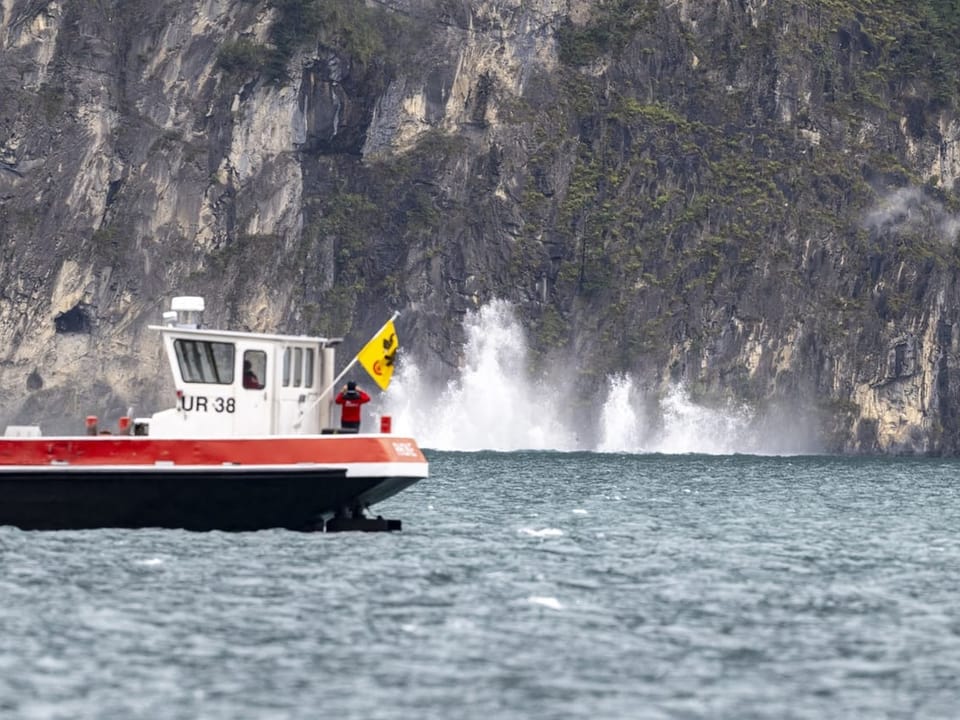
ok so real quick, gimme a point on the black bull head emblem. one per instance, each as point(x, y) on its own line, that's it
point(389, 349)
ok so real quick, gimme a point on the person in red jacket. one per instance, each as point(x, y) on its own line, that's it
point(350, 399)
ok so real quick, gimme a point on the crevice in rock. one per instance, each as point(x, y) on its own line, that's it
point(75, 320)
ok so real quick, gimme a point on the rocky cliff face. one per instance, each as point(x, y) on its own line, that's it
point(754, 199)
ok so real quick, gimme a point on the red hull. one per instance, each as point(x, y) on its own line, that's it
point(123, 451)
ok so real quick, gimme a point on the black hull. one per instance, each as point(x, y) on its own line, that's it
point(200, 500)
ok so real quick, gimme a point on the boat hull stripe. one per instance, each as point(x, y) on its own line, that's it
point(132, 450)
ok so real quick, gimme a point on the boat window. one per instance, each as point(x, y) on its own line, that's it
point(286, 367)
point(297, 367)
point(202, 361)
point(308, 368)
point(255, 369)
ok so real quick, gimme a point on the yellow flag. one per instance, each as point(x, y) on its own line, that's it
point(378, 355)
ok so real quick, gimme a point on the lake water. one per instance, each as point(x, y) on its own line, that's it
point(524, 585)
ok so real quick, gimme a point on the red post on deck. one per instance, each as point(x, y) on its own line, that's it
point(385, 424)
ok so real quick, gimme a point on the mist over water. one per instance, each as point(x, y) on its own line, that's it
point(496, 402)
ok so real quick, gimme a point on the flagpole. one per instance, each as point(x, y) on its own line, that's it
point(338, 378)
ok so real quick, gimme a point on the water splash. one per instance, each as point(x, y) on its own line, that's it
point(621, 421)
point(494, 403)
point(692, 428)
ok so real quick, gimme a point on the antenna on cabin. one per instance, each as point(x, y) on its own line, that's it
point(185, 311)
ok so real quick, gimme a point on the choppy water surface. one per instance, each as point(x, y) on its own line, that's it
point(524, 585)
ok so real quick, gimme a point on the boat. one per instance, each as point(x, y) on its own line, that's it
point(250, 444)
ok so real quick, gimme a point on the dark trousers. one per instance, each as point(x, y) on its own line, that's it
point(350, 425)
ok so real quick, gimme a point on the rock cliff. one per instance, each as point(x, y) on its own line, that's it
point(757, 200)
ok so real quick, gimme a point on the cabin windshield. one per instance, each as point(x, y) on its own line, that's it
point(202, 361)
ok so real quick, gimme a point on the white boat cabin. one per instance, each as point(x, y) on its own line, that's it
point(232, 384)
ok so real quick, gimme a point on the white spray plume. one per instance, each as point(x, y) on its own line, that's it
point(495, 404)
point(688, 427)
point(621, 419)
point(492, 404)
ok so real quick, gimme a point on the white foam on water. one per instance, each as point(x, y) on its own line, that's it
point(497, 401)
point(149, 562)
point(549, 602)
point(545, 532)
